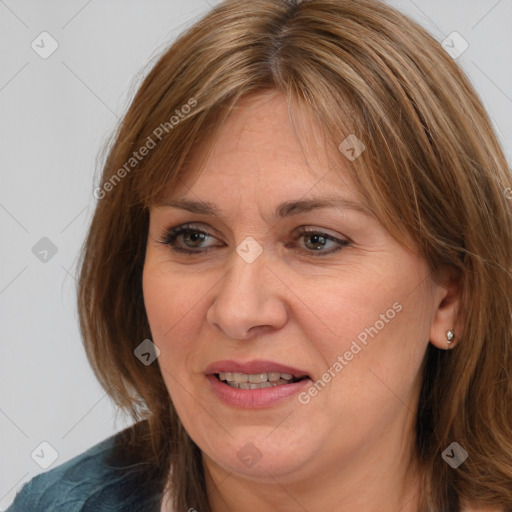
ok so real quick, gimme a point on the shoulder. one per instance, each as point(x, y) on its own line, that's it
point(67, 485)
point(90, 481)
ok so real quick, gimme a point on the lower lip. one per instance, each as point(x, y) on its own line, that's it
point(255, 398)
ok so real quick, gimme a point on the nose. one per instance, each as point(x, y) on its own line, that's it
point(249, 300)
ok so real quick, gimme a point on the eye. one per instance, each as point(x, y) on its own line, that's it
point(315, 241)
point(193, 238)
point(185, 238)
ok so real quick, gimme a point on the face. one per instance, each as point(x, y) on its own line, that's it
point(320, 300)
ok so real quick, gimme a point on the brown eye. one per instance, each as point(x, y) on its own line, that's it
point(193, 239)
point(185, 238)
point(315, 241)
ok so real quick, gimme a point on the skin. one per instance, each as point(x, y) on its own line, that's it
point(349, 448)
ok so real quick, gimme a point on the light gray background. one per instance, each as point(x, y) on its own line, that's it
point(55, 116)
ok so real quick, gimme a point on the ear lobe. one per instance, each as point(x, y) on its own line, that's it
point(448, 315)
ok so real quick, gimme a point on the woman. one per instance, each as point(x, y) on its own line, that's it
point(297, 278)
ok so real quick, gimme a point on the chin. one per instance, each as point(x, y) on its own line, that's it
point(260, 454)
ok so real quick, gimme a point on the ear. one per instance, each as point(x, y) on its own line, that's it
point(448, 314)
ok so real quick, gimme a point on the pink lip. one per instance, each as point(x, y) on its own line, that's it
point(251, 367)
point(254, 398)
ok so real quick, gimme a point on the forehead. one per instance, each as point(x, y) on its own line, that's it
point(259, 151)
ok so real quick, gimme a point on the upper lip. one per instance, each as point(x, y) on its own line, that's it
point(253, 367)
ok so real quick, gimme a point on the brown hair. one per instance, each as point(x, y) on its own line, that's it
point(432, 172)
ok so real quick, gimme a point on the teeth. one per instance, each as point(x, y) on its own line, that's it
point(249, 385)
point(256, 380)
point(259, 386)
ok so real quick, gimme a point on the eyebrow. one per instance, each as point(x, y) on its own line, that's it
point(285, 209)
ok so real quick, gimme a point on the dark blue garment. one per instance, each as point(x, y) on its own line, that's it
point(94, 481)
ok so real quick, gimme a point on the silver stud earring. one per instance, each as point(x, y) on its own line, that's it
point(449, 337)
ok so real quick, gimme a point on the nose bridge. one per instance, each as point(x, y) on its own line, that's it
point(247, 295)
point(244, 282)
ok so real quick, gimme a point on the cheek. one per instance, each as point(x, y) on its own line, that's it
point(371, 335)
point(343, 310)
point(170, 308)
point(172, 303)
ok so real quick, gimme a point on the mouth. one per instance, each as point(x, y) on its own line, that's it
point(257, 380)
point(255, 384)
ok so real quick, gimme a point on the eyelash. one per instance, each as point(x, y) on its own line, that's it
point(170, 236)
